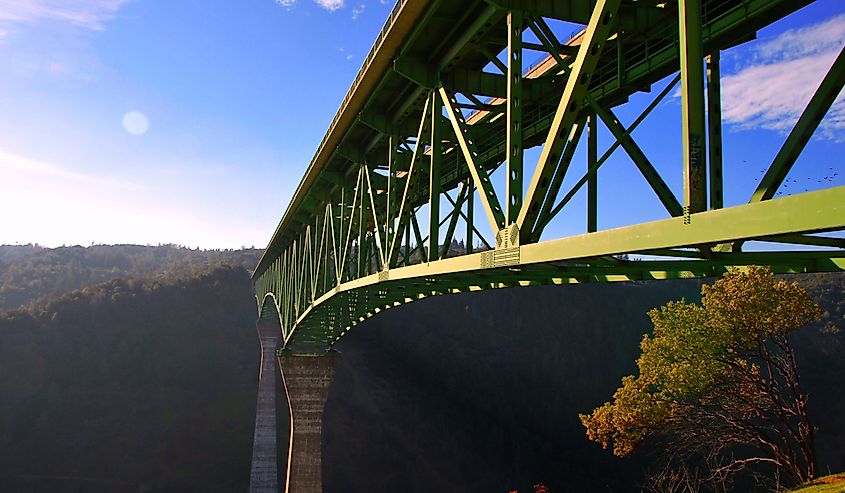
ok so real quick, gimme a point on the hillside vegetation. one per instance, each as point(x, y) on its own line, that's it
point(131, 386)
point(149, 384)
point(29, 272)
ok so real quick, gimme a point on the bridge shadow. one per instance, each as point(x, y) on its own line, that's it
point(481, 391)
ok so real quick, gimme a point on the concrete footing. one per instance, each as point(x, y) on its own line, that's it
point(306, 381)
point(263, 476)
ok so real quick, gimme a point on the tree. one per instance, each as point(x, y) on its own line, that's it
point(720, 376)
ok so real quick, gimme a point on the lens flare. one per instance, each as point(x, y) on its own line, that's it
point(136, 123)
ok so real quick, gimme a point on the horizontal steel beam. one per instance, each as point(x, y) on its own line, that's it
point(806, 213)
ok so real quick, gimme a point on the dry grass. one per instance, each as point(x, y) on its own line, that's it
point(834, 483)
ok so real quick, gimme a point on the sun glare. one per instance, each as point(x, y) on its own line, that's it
point(136, 123)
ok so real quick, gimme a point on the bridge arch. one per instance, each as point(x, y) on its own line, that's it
point(268, 307)
point(268, 316)
point(320, 323)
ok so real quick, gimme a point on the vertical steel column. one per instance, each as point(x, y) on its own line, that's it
point(284, 289)
point(592, 174)
point(391, 191)
point(692, 103)
point(369, 253)
point(328, 229)
point(360, 268)
point(514, 156)
point(470, 213)
point(434, 181)
point(293, 284)
point(405, 259)
point(298, 266)
point(714, 134)
point(342, 243)
point(284, 300)
point(314, 265)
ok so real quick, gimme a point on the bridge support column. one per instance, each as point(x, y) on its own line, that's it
point(263, 476)
point(306, 380)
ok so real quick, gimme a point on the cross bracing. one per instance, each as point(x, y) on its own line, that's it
point(444, 101)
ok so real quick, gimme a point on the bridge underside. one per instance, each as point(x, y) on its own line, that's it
point(431, 142)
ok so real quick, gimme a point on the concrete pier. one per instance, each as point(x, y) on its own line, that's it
point(306, 380)
point(263, 477)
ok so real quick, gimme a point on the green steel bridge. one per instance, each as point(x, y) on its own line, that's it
point(444, 100)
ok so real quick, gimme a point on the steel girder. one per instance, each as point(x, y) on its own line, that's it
point(435, 112)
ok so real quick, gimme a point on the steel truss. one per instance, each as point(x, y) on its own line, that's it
point(435, 112)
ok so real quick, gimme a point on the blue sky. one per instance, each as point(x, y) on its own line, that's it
point(180, 121)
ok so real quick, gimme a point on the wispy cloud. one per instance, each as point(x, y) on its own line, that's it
point(89, 14)
point(822, 37)
point(357, 11)
point(55, 35)
point(330, 5)
point(782, 76)
point(11, 162)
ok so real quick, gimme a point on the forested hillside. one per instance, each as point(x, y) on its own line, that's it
point(148, 385)
point(131, 386)
point(29, 272)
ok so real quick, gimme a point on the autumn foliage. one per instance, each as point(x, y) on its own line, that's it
point(717, 375)
point(538, 488)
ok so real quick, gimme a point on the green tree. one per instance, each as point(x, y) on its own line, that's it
point(720, 375)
